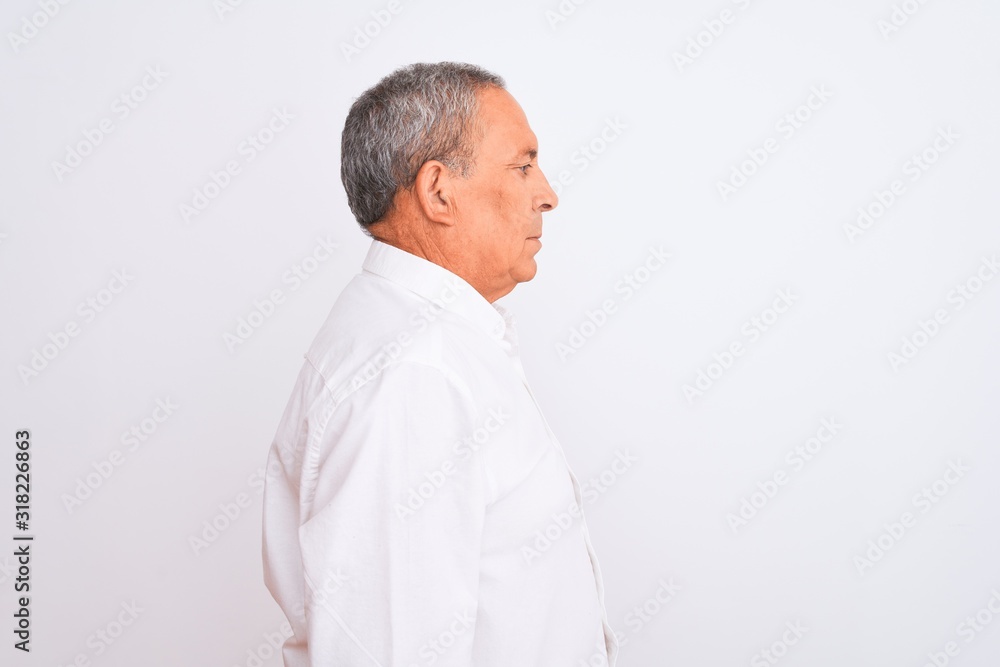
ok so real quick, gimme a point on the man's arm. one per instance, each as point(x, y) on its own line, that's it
point(395, 517)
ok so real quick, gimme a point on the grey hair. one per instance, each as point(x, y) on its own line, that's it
point(421, 112)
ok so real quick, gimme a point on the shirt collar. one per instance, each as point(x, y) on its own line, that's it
point(439, 285)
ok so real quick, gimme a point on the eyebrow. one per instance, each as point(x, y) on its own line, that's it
point(530, 153)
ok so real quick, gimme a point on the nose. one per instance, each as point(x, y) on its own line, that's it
point(546, 199)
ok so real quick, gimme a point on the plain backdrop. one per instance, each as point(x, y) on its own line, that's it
point(741, 138)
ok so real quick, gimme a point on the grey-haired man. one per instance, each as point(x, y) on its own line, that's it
point(418, 509)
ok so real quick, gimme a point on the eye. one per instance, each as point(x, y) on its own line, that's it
point(524, 169)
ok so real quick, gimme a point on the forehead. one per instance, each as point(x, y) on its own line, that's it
point(508, 136)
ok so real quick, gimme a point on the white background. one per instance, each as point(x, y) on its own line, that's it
point(687, 126)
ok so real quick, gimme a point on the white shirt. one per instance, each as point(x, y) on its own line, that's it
point(418, 510)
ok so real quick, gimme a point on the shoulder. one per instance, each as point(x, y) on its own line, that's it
point(376, 325)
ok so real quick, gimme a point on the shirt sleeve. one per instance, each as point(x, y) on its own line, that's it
point(393, 504)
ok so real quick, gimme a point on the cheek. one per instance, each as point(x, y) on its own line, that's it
point(499, 198)
point(507, 225)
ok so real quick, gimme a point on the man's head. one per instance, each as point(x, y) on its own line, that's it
point(439, 160)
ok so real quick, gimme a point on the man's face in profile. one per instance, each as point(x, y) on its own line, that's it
point(501, 205)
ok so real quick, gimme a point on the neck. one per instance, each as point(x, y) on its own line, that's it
point(426, 248)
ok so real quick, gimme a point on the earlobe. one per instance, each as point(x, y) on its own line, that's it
point(433, 191)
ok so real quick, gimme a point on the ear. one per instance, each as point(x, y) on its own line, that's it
point(435, 194)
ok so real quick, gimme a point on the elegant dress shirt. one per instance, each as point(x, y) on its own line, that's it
point(418, 510)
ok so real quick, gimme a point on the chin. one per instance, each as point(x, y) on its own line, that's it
point(525, 270)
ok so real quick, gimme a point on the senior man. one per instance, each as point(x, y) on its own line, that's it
point(418, 509)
